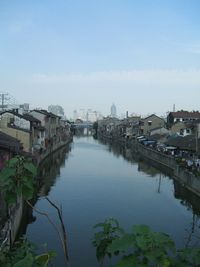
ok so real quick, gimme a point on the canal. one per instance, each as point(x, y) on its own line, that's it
point(92, 181)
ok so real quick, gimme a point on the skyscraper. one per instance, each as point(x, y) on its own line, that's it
point(113, 111)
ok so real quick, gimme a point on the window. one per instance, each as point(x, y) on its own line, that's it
point(149, 123)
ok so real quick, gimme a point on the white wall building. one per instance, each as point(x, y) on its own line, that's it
point(87, 115)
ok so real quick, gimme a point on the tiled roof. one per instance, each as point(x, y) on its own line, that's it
point(185, 143)
point(27, 117)
point(186, 114)
point(30, 118)
point(45, 112)
point(152, 115)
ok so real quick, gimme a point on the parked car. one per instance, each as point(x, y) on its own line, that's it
point(149, 143)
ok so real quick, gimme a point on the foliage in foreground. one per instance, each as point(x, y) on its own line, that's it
point(141, 247)
point(17, 179)
point(23, 254)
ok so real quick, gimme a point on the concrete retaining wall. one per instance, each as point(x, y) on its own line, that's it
point(185, 177)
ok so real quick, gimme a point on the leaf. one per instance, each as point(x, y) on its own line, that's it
point(128, 261)
point(43, 259)
point(28, 182)
point(52, 254)
point(113, 221)
point(157, 256)
point(143, 242)
point(166, 263)
point(27, 192)
point(164, 240)
point(122, 244)
point(101, 249)
point(98, 238)
point(31, 168)
point(12, 162)
point(141, 229)
point(26, 262)
point(11, 198)
point(5, 174)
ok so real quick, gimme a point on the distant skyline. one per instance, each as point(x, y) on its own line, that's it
point(142, 55)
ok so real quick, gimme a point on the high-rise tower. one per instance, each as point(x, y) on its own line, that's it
point(113, 111)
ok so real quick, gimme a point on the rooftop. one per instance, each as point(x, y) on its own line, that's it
point(186, 114)
point(26, 116)
point(45, 112)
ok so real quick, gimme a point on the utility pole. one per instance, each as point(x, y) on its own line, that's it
point(159, 185)
point(4, 97)
point(197, 137)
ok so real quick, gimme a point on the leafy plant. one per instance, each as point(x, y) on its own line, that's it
point(17, 179)
point(110, 231)
point(23, 254)
point(142, 247)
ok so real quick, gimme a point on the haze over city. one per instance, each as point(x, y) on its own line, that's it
point(144, 56)
point(99, 133)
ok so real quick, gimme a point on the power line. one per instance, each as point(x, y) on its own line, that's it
point(7, 101)
point(4, 98)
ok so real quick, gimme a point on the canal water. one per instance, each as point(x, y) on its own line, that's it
point(92, 181)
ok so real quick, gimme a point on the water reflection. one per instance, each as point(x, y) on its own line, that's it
point(186, 197)
point(101, 180)
point(48, 173)
point(49, 170)
point(129, 155)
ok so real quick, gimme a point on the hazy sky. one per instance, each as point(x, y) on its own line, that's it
point(142, 55)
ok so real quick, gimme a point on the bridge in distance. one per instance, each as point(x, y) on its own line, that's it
point(82, 125)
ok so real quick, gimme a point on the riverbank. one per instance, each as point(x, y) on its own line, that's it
point(11, 227)
point(39, 158)
point(182, 175)
point(101, 180)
